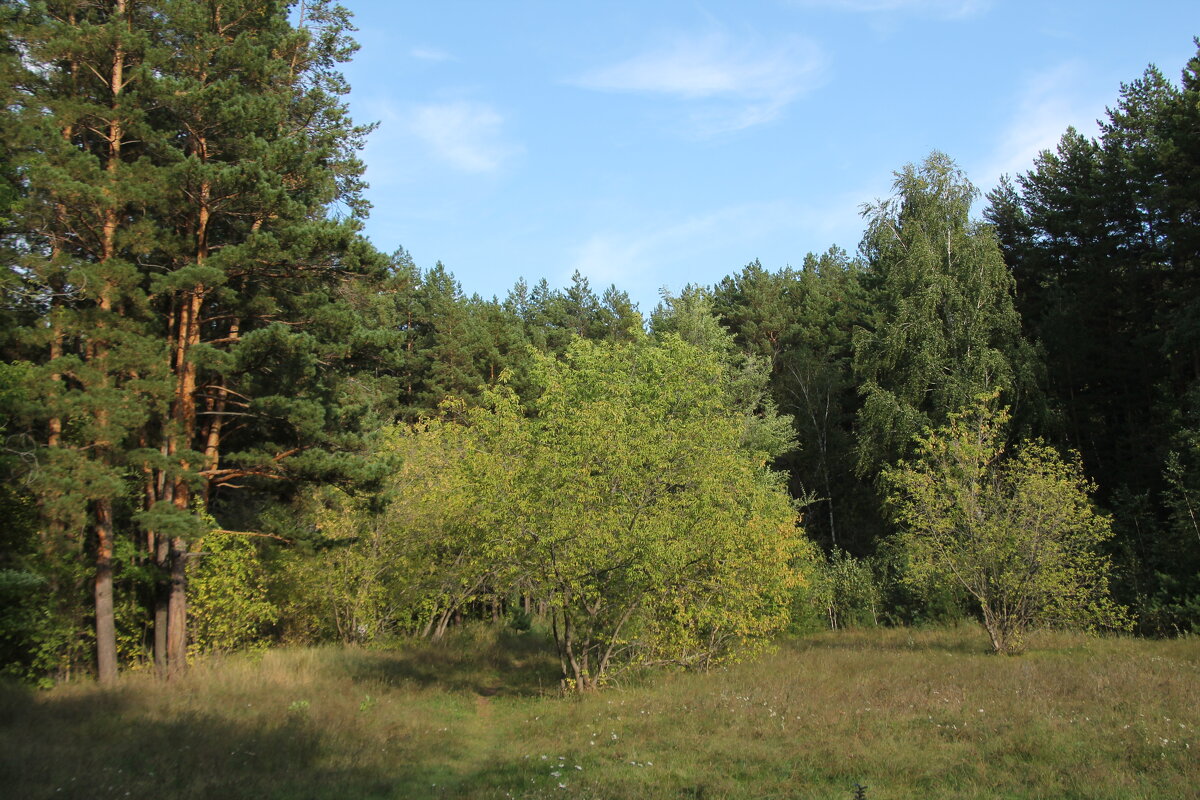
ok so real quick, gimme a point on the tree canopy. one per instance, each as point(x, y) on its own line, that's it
point(228, 419)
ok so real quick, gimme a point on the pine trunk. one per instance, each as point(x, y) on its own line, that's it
point(177, 611)
point(162, 559)
point(106, 632)
point(106, 629)
point(187, 331)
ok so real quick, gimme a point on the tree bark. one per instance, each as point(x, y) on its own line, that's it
point(216, 405)
point(183, 435)
point(162, 559)
point(106, 634)
point(106, 630)
point(177, 611)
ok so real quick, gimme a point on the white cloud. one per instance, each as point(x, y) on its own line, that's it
point(732, 84)
point(706, 246)
point(629, 257)
point(1048, 104)
point(430, 54)
point(466, 135)
point(683, 248)
point(946, 9)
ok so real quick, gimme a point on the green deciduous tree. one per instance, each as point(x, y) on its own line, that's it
point(1018, 532)
point(229, 608)
point(656, 533)
point(411, 557)
point(746, 383)
point(631, 499)
point(628, 499)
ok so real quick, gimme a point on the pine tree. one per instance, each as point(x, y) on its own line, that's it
point(189, 266)
point(1102, 240)
point(253, 295)
point(82, 221)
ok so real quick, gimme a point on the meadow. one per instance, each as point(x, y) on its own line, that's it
point(880, 714)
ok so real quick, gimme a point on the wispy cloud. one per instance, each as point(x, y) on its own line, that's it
point(945, 9)
point(466, 135)
point(430, 54)
point(1048, 104)
point(627, 257)
point(730, 83)
point(704, 247)
point(683, 250)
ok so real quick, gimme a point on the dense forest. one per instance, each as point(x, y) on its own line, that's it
point(229, 421)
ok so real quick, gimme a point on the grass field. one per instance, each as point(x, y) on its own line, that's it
point(907, 714)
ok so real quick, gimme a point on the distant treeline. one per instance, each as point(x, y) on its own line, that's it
point(229, 421)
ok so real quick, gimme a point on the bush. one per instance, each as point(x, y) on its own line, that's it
point(855, 597)
point(228, 608)
point(1018, 533)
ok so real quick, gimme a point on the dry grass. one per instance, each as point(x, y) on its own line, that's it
point(909, 714)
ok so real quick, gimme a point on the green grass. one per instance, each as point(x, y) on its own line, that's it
point(908, 714)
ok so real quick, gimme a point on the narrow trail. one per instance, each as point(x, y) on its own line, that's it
point(483, 746)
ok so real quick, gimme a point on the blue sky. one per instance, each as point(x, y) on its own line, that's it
point(653, 144)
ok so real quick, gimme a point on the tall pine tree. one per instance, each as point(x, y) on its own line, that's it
point(192, 245)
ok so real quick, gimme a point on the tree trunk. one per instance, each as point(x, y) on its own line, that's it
point(216, 407)
point(162, 558)
point(187, 329)
point(177, 611)
point(187, 332)
point(106, 630)
point(106, 634)
point(996, 630)
point(443, 623)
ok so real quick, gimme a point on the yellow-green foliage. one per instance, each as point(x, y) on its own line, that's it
point(404, 561)
point(628, 500)
point(1019, 533)
point(633, 503)
point(227, 588)
point(346, 589)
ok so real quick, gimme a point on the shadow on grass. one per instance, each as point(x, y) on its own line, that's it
point(484, 661)
point(102, 744)
point(112, 744)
